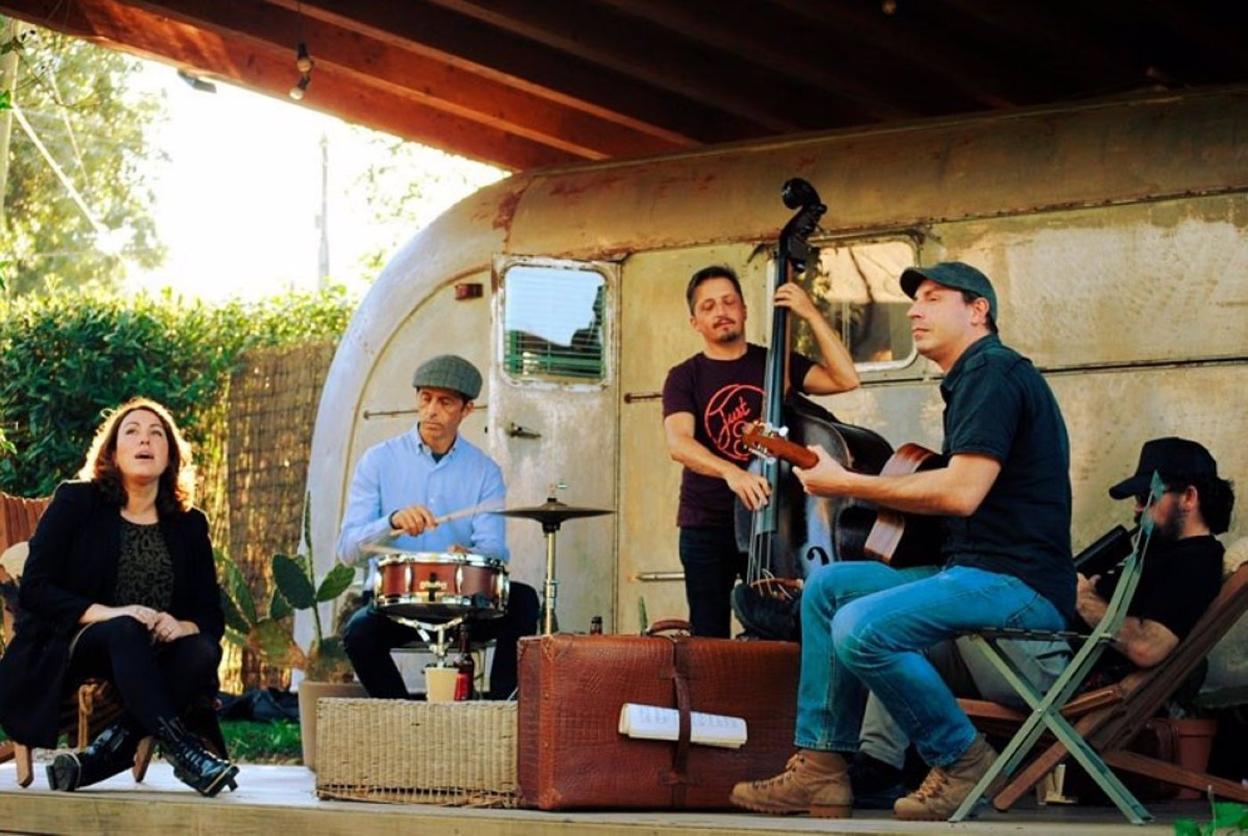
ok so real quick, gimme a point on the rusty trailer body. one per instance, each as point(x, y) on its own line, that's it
point(1116, 234)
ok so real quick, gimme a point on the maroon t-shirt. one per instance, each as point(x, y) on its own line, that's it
point(723, 396)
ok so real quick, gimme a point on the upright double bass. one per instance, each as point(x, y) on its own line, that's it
point(794, 533)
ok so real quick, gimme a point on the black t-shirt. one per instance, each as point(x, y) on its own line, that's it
point(723, 396)
point(998, 405)
point(1179, 581)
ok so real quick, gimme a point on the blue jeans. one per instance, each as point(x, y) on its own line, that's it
point(864, 627)
point(712, 565)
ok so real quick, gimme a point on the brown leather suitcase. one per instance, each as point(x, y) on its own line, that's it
point(570, 753)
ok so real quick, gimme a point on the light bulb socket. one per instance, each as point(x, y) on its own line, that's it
point(303, 59)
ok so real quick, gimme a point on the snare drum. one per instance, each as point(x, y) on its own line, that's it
point(440, 586)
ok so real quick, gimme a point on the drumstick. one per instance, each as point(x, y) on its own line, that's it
point(483, 508)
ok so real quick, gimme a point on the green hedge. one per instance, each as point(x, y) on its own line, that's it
point(66, 358)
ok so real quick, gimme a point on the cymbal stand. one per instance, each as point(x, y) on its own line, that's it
point(551, 591)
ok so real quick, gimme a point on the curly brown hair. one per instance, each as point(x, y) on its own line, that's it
point(176, 490)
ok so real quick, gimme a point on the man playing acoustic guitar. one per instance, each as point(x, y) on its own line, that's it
point(1004, 498)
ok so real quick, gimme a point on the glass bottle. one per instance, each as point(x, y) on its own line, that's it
point(467, 668)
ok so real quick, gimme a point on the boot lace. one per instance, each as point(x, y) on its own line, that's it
point(791, 768)
point(933, 785)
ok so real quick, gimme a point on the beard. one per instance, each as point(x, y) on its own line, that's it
point(1169, 529)
point(729, 336)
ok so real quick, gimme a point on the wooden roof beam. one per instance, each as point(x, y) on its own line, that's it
point(460, 41)
point(942, 64)
point(648, 56)
point(1045, 30)
point(130, 29)
point(419, 77)
point(709, 26)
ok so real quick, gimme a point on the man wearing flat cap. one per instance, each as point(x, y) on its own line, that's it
point(1004, 499)
point(400, 489)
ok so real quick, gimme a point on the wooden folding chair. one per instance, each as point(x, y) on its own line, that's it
point(1113, 716)
point(89, 710)
point(1046, 708)
point(1108, 719)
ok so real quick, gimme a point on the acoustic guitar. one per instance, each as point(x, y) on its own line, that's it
point(895, 538)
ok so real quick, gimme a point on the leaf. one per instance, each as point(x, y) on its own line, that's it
point(1229, 814)
point(233, 618)
point(1186, 827)
point(292, 583)
point(335, 583)
point(275, 643)
point(278, 606)
point(240, 591)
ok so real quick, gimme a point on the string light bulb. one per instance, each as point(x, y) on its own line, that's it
point(300, 87)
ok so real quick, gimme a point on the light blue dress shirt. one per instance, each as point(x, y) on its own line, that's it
point(401, 472)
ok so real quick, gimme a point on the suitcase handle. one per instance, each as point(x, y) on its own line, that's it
point(669, 625)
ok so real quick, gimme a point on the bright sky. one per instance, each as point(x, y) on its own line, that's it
point(238, 199)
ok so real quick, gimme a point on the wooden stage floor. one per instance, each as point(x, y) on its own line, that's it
point(280, 801)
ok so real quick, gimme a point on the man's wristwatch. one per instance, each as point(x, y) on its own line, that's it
point(391, 520)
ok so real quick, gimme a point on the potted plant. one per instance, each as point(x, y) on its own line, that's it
point(268, 629)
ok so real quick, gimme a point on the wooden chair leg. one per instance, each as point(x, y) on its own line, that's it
point(143, 758)
point(1176, 775)
point(25, 765)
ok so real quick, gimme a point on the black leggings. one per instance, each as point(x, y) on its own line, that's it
point(155, 681)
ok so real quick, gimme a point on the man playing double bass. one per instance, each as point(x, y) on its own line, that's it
point(707, 402)
point(1005, 501)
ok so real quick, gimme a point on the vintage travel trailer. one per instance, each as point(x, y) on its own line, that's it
point(1116, 233)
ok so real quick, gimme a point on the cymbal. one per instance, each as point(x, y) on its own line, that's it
point(552, 511)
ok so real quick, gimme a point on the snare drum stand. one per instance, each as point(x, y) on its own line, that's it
point(438, 646)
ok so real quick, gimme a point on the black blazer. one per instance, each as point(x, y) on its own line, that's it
point(72, 565)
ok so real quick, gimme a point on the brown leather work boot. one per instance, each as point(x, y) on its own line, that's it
point(812, 782)
point(945, 787)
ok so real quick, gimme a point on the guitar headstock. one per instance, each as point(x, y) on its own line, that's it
point(766, 441)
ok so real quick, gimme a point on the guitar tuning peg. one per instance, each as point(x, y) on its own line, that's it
point(783, 432)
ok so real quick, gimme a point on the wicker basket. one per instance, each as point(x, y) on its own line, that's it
point(458, 753)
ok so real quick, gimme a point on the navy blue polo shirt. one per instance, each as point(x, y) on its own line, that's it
point(998, 405)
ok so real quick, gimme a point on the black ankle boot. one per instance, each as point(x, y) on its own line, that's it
point(110, 753)
point(194, 765)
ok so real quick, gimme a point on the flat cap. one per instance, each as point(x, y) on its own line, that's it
point(449, 371)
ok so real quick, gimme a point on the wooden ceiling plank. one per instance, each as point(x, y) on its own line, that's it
point(423, 78)
point(950, 66)
point(127, 28)
point(1220, 38)
point(417, 25)
point(695, 22)
point(573, 30)
point(1075, 55)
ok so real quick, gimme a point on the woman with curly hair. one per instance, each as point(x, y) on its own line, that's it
point(120, 585)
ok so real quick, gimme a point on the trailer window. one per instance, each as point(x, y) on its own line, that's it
point(856, 287)
point(553, 323)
